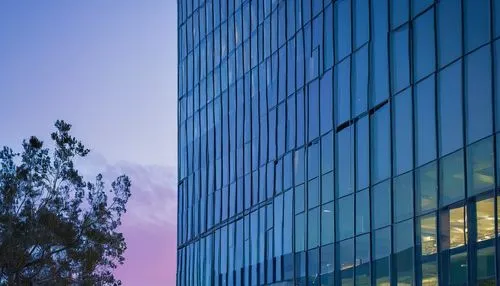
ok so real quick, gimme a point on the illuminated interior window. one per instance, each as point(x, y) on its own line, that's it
point(485, 214)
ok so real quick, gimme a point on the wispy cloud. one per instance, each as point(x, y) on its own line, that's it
point(149, 225)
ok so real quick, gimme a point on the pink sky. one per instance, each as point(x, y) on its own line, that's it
point(110, 69)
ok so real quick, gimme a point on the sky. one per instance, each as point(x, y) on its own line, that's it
point(108, 67)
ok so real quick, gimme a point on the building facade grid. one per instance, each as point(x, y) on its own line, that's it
point(346, 142)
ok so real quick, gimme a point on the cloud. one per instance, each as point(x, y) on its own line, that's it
point(149, 226)
point(154, 190)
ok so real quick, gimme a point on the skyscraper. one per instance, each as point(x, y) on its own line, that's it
point(347, 142)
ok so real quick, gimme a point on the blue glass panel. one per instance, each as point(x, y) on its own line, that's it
point(423, 45)
point(450, 109)
point(449, 29)
point(425, 125)
point(476, 23)
point(478, 94)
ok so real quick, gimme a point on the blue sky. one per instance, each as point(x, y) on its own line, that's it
point(109, 68)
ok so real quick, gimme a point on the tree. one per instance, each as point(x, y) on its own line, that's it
point(55, 227)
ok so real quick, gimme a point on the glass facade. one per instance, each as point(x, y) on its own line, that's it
point(346, 142)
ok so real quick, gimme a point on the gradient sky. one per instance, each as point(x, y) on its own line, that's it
point(109, 67)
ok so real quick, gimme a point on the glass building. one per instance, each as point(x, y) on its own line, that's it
point(347, 142)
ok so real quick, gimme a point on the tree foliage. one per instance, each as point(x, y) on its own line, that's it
point(55, 227)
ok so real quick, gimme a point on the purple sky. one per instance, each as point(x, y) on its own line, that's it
point(110, 69)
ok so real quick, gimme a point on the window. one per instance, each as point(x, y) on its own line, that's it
point(379, 75)
point(327, 193)
point(452, 187)
point(327, 159)
point(287, 222)
point(345, 218)
point(342, 24)
point(313, 161)
point(299, 166)
point(360, 81)
point(427, 246)
point(478, 94)
point(423, 45)
point(382, 256)
point(381, 145)
point(313, 113)
point(342, 92)
point(425, 129)
point(480, 171)
point(327, 223)
point(326, 102)
point(453, 239)
point(400, 61)
point(313, 193)
point(361, 23)
point(346, 261)
point(449, 29)
point(345, 166)
point(476, 23)
point(419, 6)
point(301, 131)
point(362, 212)
point(450, 108)
point(381, 204)
point(403, 248)
point(485, 232)
point(403, 197)
point(299, 232)
point(403, 135)
point(328, 37)
point(312, 264)
point(327, 263)
point(313, 230)
point(299, 199)
point(291, 117)
point(400, 12)
point(362, 153)
point(362, 260)
point(496, 80)
point(426, 187)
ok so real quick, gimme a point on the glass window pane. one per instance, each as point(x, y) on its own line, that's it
point(313, 110)
point(313, 193)
point(450, 108)
point(403, 197)
point(361, 22)
point(452, 186)
point(362, 260)
point(313, 160)
point(327, 193)
point(327, 223)
point(299, 166)
point(381, 256)
point(426, 187)
point(362, 153)
point(342, 21)
point(425, 129)
point(327, 153)
point(453, 239)
point(381, 145)
point(400, 61)
point(299, 199)
point(327, 259)
point(345, 218)
point(300, 232)
point(400, 12)
point(346, 262)
point(379, 76)
point(427, 244)
point(478, 94)
point(476, 23)
point(480, 171)
point(342, 91)
point(403, 256)
point(313, 220)
point(360, 81)
point(328, 37)
point(362, 212)
point(403, 137)
point(381, 204)
point(485, 231)
point(312, 265)
point(345, 166)
point(449, 29)
point(326, 102)
point(423, 45)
